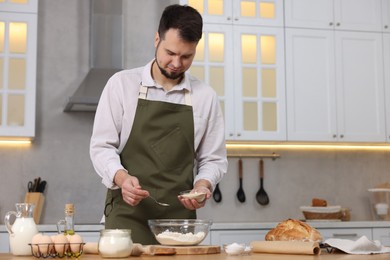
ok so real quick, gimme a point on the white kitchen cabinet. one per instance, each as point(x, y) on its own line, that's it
point(381, 234)
point(243, 60)
point(240, 12)
point(386, 57)
point(4, 242)
point(386, 16)
point(18, 50)
point(335, 88)
point(222, 237)
point(245, 65)
point(345, 233)
point(355, 15)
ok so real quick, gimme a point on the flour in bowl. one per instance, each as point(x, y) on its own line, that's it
point(179, 239)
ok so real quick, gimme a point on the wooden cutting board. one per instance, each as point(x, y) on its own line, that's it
point(188, 250)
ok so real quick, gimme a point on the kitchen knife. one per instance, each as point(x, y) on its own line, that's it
point(41, 186)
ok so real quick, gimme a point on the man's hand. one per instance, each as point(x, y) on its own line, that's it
point(201, 186)
point(132, 192)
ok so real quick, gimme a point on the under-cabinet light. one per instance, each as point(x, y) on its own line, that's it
point(15, 142)
point(313, 146)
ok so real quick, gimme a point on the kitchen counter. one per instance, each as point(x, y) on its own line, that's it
point(236, 225)
point(223, 256)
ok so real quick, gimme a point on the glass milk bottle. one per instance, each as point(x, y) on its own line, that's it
point(22, 230)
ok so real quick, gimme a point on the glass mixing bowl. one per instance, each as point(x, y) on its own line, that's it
point(180, 232)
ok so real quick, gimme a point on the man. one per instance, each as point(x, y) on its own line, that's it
point(159, 131)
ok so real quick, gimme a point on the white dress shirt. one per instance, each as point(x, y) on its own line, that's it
point(116, 111)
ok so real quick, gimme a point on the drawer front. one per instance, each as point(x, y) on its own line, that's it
point(346, 233)
point(382, 234)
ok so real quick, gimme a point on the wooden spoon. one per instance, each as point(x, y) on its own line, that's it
point(261, 195)
point(240, 192)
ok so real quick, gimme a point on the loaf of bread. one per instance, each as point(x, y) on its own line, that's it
point(293, 230)
point(319, 202)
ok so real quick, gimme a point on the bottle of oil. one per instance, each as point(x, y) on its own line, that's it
point(69, 219)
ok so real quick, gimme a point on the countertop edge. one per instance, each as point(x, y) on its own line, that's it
point(234, 225)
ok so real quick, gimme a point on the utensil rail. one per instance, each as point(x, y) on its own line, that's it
point(272, 156)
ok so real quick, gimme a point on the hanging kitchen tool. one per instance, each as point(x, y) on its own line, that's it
point(240, 192)
point(262, 196)
point(217, 195)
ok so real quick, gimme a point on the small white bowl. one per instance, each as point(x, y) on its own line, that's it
point(234, 249)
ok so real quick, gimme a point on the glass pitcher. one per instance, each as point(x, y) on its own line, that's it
point(22, 230)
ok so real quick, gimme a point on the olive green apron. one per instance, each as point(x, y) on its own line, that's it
point(160, 153)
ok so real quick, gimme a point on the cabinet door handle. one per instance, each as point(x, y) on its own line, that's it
point(334, 136)
point(341, 136)
point(330, 24)
point(345, 235)
point(239, 134)
point(337, 24)
point(386, 26)
point(228, 18)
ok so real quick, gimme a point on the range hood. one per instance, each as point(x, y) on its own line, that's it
point(106, 47)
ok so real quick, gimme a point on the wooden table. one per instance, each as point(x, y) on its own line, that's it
point(223, 256)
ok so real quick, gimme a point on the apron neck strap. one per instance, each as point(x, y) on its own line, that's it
point(143, 92)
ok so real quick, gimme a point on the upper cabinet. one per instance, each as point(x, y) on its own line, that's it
point(18, 50)
point(386, 57)
point(356, 15)
point(242, 12)
point(386, 16)
point(245, 65)
point(335, 86)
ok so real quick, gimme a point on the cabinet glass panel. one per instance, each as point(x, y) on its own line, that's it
point(269, 116)
point(2, 35)
point(15, 109)
point(268, 83)
point(1, 73)
point(215, 7)
point(19, 1)
point(17, 37)
point(268, 49)
point(217, 76)
point(248, 9)
point(248, 48)
point(199, 55)
point(1, 109)
point(249, 82)
point(197, 4)
point(222, 104)
point(198, 72)
point(216, 47)
point(250, 116)
point(17, 74)
point(267, 10)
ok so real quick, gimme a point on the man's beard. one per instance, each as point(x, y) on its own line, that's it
point(172, 75)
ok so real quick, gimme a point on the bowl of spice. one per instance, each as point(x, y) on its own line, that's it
point(180, 232)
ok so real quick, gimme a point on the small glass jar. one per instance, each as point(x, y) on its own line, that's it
point(115, 243)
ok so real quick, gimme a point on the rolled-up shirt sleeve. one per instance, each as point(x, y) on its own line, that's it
point(109, 133)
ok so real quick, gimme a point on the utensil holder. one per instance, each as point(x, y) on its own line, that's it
point(38, 199)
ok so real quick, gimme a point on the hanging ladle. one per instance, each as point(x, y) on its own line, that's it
point(261, 195)
point(217, 195)
point(240, 192)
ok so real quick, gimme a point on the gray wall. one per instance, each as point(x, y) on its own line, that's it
point(60, 155)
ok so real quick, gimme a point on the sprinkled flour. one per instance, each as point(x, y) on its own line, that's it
point(179, 239)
